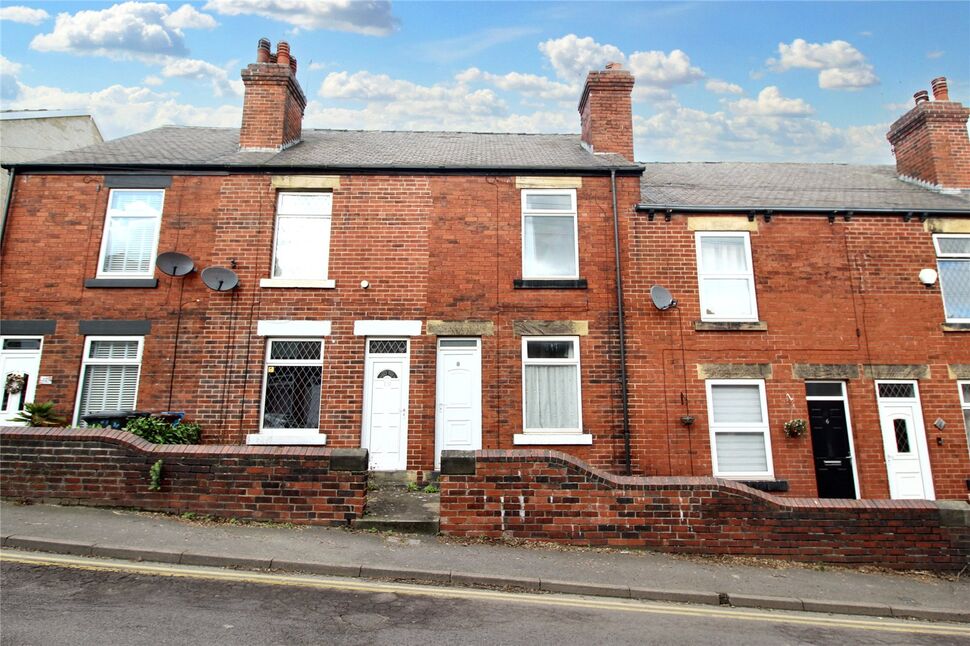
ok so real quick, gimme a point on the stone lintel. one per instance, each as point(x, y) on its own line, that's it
point(730, 326)
point(896, 371)
point(825, 371)
point(330, 182)
point(959, 370)
point(721, 223)
point(947, 225)
point(550, 328)
point(734, 371)
point(460, 328)
point(548, 182)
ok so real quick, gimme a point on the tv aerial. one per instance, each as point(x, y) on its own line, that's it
point(173, 263)
point(662, 298)
point(220, 279)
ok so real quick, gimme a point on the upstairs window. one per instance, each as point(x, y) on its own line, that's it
point(302, 242)
point(109, 374)
point(953, 260)
point(725, 277)
point(550, 248)
point(130, 239)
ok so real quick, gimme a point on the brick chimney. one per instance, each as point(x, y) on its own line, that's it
point(274, 102)
point(930, 141)
point(606, 111)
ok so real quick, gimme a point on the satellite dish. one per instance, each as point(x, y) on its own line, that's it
point(174, 263)
point(219, 278)
point(661, 297)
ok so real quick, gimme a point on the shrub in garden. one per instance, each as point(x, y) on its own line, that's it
point(160, 431)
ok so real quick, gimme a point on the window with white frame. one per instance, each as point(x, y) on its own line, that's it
point(301, 250)
point(292, 385)
point(965, 404)
point(130, 239)
point(550, 247)
point(738, 420)
point(551, 385)
point(953, 261)
point(725, 276)
point(109, 374)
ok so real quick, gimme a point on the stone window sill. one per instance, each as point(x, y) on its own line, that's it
point(114, 283)
point(525, 439)
point(298, 283)
point(730, 326)
point(286, 439)
point(529, 283)
point(956, 327)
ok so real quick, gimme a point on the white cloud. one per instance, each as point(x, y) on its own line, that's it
point(770, 103)
point(572, 57)
point(658, 69)
point(370, 17)
point(146, 31)
point(316, 67)
point(936, 53)
point(528, 85)
point(152, 80)
point(188, 68)
point(718, 86)
point(24, 15)
point(9, 88)
point(841, 66)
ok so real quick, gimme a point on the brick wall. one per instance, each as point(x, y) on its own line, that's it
point(930, 143)
point(550, 496)
point(109, 468)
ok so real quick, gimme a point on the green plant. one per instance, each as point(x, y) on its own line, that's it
point(795, 427)
point(412, 487)
point(159, 431)
point(155, 477)
point(39, 415)
point(431, 488)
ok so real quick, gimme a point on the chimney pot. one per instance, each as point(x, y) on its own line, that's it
point(283, 53)
point(614, 66)
point(940, 90)
point(262, 51)
point(921, 97)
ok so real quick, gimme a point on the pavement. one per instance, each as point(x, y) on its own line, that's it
point(132, 535)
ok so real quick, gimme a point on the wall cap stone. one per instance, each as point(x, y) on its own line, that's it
point(348, 460)
point(458, 463)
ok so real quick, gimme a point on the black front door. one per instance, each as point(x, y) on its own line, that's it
point(830, 445)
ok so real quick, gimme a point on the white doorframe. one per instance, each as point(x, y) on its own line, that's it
point(919, 433)
point(32, 354)
point(404, 360)
point(844, 398)
point(440, 382)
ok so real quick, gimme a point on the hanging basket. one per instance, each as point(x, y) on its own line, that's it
point(15, 383)
point(795, 427)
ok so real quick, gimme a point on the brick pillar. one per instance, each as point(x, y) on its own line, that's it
point(606, 111)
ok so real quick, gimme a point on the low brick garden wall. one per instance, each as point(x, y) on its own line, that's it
point(109, 468)
point(551, 496)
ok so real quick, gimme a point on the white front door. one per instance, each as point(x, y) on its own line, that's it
point(385, 424)
point(904, 440)
point(458, 422)
point(19, 370)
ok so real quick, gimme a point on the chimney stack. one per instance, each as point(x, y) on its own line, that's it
point(274, 102)
point(606, 111)
point(930, 141)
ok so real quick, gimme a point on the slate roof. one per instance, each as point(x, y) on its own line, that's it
point(190, 146)
point(743, 185)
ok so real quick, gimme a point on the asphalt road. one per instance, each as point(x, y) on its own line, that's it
point(50, 605)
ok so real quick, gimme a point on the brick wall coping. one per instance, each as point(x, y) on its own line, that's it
point(350, 459)
point(612, 481)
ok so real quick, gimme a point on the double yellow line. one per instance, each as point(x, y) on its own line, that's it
point(562, 601)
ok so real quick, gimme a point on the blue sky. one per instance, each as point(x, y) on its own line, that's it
point(802, 81)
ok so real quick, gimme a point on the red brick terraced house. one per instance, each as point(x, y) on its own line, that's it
point(411, 292)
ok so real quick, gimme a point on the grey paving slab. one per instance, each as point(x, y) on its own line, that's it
point(631, 568)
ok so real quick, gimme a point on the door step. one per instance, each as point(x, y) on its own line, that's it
point(395, 509)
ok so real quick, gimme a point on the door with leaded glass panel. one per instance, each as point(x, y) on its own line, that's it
point(385, 416)
point(904, 440)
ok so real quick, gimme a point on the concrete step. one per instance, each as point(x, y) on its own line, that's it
point(385, 479)
point(396, 509)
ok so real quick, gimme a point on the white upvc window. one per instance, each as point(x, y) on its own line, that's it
point(130, 239)
point(551, 393)
point(110, 371)
point(737, 413)
point(725, 276)
point(301, 248)
point(550, 238)
point(965, 404)
point(292, 386)
point(953, 261)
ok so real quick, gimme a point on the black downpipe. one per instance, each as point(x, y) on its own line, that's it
point(622, 324)
point(6, 206)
